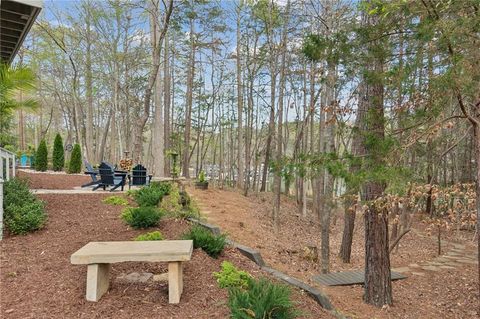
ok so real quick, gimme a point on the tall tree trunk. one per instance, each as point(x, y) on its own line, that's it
point(477, 155)
point(378, 286)
point(270, 133)
point(240, 142)
point(158, 152)
point(349, 225)
point(277, 184)
point(166, 103)
point(89, 137)
point(349, 213)
point(327, 202)
point(189, 101)
point(145, 113)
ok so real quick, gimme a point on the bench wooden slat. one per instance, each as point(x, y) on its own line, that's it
point(122, 251)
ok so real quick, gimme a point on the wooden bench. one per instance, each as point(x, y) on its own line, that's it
point(99, 255)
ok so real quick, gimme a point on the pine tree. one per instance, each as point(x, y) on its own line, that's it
point(58, 154)
point(41, 163)
point(75, 160)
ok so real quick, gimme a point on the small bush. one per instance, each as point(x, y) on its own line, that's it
point(148, 196)
point(115, 200)
point(25, 218)
point(16, 192)
point(41, 161)
point(75, 165)
point(201, 177)
point(23, 211)
point(164, 187)
point(154, 235)
point(230, 276)
point(212, 244)
point(263, 299)
point(141, 217)
point(58, 155)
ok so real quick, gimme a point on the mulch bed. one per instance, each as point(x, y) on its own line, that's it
point(38, 281)
point(247, 220)
point(53, 180)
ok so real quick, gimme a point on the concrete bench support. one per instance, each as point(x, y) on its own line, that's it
point(97, 281)
point(99, 255)
point(175, 281)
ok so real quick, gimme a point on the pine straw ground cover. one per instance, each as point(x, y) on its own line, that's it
point(450, 293)
point(38, 281)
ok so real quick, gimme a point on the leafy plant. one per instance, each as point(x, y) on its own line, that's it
point(142, 217)
point(263, 300)
point(152, 194)
point(16, 192)
point(230, 276)
point(154, 235)
point(202, 238)
point(115, 200)
point(23, 211)
point(58, 155)
point(75, 160)
point(148, 196)
point(201, 177)
point(164, 187)
point(41, 163)
point(21, 219)
point(14, 79)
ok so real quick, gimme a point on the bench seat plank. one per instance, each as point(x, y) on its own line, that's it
point(122, 251)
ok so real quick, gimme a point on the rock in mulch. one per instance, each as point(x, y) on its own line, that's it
point(135, 277)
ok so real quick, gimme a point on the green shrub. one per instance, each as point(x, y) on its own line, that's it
point(25, 218)
point(115, 200)
point(212, 244)
point(16, 192)
point(263, 300)
point(147, 196)
point(23, 211)
point(201, 177)
point(41, 161)
point(152, 194)
point(230, 276)
point(141, 217)
point(75, 165)
point(154, 235)
point(58, 155)
point(164, 187)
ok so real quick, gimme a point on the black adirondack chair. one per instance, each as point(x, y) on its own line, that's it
point(139, 176)
point(110, 177)
point(93, 174)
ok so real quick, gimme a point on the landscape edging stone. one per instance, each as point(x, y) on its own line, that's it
point(213, 228)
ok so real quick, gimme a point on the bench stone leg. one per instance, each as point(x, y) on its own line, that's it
point(175, 281)
point(97, 281)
